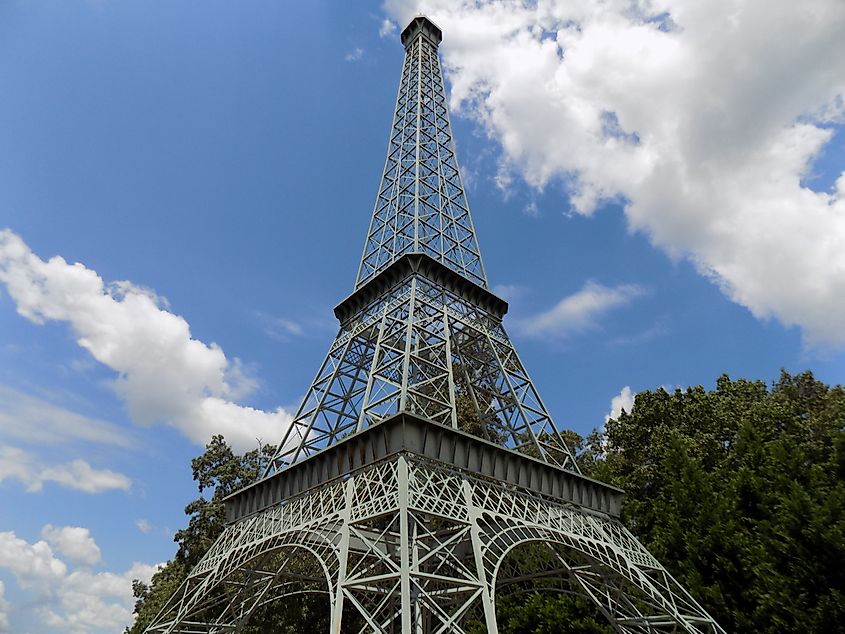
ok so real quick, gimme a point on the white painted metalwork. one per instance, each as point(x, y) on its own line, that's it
point(421, 206)
point(419, 546)
point(422, 460)
point(419, 347)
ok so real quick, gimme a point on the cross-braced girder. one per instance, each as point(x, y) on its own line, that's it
point(421, 206)
point(419, 546)
point(422, 348)
point(422, 460)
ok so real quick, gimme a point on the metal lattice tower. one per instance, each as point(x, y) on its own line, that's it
point(422, 476)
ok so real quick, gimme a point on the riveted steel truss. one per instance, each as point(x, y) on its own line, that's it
point(422, 475)
point(421, 206)
point(423, 348)
point(414, 545)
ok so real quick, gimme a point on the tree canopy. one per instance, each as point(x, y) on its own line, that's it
point(738, 491)
point(222, 472)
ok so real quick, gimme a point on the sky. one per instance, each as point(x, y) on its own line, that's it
point(658, 190)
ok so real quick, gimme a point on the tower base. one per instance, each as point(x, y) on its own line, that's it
point(409, 543)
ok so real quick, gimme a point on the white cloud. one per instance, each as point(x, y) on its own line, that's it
point(144, 525)
point(4, 609)
point(26, 417)
point(79, 601)
point(77, 474)
point(99, 601)
point(531, 210)
point(290, 327)
point(578, 312)
point(702, 118)
point(658, 329)
point(622, 401)
point(510, 292)
point(387, 28)
point(279, 328)
point(163, 374)
point(74, 542)
point(355, 54)
point(33, 565)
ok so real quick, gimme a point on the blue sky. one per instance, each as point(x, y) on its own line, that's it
point(223, 160)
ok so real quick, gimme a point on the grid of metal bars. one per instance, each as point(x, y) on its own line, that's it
point(412, 545)
point(420, 348)
point(415, 546)
point(421, 206)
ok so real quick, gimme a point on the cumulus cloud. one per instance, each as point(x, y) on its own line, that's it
point(25, 417)
point(355, 54)
point(387, 28)
point(163, 373)
point(702, 119)
point(74, 542)
point(33, 565)
point(143, 525)
point(96, 602)
point(77, 474)
point(624, 401)
point(4, 609)
point(578, 312)
point(81, 600)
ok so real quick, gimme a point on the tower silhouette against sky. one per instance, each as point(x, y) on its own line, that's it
point(422, 475)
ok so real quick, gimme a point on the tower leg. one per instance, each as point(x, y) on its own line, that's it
point(405, 547)
point(478, 556)
point(343, 557)
point(418, 547)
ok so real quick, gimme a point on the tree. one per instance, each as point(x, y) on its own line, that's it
point(219, 470)
point(549, 614)
point(738, 491)
point(222, 472)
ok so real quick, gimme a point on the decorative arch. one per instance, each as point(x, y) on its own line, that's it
point(225, 591)
point(631, 599)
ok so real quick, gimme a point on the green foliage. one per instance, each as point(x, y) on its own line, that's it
point(150, 599)
point(549, 614)
point(487, 426)
point(218, 469)
point(738, 491)
point(543, 605)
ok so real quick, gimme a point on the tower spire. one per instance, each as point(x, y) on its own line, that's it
point(421, 206)
point(422, 455)
point(421, 26)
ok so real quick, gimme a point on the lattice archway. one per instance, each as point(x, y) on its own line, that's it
point(300, 592)
point(422, 453)
point(631, 598)
point(224, 595)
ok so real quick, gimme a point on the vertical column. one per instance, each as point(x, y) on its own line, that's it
point(475, 534)
point(418, 52)
point(447, 333)
point(343, 556)
point(404, 545)
point(415, 565)
point(409, 338)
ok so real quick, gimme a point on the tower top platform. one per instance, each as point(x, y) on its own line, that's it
point(421, 25)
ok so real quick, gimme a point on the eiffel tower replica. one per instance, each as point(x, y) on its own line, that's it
point(422, 460)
